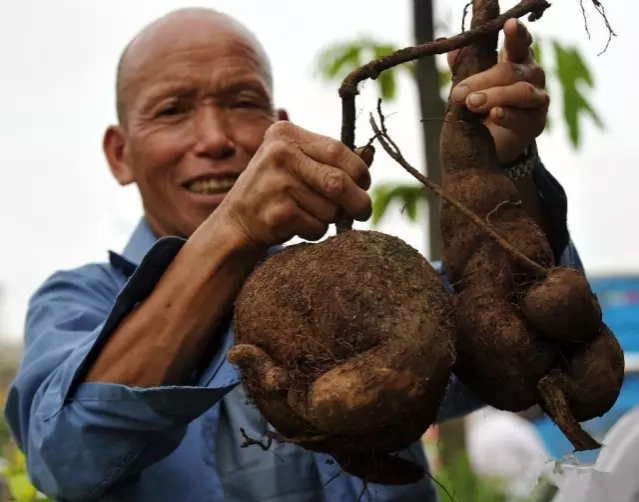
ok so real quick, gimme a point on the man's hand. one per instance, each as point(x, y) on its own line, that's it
point(295, 185)
point(512, 93)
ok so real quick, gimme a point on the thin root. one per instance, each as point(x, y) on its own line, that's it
point(270, 436)
point(602, 12)
point(466, 9)
point(500, 205)
point(556, 406)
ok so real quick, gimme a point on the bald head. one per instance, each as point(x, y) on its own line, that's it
point(173, 31)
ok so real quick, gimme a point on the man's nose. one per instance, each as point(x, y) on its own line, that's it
point(212, 137)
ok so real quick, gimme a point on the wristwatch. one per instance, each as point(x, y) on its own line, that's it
point(522, 165)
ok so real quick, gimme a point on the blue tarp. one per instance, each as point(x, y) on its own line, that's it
point(619, 299)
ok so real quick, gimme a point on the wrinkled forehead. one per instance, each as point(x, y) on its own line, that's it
point(190, 47)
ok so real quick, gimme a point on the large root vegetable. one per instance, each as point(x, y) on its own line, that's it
point(346, 347)
point(527, 332)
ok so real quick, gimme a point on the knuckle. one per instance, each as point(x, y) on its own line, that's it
point(528, 92)
point(337, 152)
point(278, 150)
point(280, 129)
point(508, 70)
point(538, 75)
point(279, 213)
point(334, 183)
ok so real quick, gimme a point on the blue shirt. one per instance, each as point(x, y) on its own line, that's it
point(107, 442)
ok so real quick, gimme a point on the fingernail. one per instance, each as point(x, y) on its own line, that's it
point(477, 98)
point(499, 113)
point(460, 93)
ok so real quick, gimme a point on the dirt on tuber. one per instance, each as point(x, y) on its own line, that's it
point(346, 347)
point(526, 334)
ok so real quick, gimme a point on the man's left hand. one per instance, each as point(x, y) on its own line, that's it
point(512, 93)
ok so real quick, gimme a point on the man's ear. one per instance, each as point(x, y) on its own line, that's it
point(282, 114)
point(114, 146)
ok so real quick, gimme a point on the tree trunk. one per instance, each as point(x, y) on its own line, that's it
point(431, 106)
point(452, 433)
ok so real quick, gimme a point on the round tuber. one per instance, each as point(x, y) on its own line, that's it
point(346, 347)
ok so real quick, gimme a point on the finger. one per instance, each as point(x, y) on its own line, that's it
point(338, 155)
point(324, 150)
point(502, 74)
point(317, 206)
point(308, 227)
point(450, 57)
point(519, 95)
point(517, 42)
point(367, 154)
point(335, 185)
point(525, 124)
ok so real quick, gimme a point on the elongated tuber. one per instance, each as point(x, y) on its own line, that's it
point(528, 332)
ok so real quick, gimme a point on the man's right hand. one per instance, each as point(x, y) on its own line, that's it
point(295, 185)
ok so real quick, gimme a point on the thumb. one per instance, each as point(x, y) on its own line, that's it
point(451, 56)
point(366, 153)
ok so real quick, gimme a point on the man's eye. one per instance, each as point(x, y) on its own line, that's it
point(246, 104)
point(168, 111)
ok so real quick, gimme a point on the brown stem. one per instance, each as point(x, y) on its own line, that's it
point(556, 406)
point(393, 150)
point(373, 69)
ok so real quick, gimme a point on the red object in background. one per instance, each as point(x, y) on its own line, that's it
point(430, 442)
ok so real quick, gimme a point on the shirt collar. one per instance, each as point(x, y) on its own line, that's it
point(141, 241)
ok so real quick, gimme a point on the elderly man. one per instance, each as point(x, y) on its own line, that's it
point(125, 392)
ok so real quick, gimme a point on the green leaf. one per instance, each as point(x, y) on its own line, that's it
point(538, 52)
point(573, 75)
point(381, 200)
point(445, 78)
point(338, 59)
point(387, 85)
point(408, 196)
point(380, 50)
point(21, 488)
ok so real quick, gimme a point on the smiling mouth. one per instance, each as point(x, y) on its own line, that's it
point(211, 186)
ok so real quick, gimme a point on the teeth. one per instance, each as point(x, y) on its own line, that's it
point(211, 186)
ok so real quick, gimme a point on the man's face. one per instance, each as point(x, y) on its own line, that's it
point(198, 108)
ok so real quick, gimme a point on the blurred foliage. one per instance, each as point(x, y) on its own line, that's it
point(384, 194)
point(565, 69)
point(459, 483)
point(573, 76)
point(20, 488)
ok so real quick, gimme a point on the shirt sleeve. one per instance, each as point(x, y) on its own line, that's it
point(460, 400)
point(80, 438)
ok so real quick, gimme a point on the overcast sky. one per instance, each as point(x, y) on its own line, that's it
point(61, 209)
